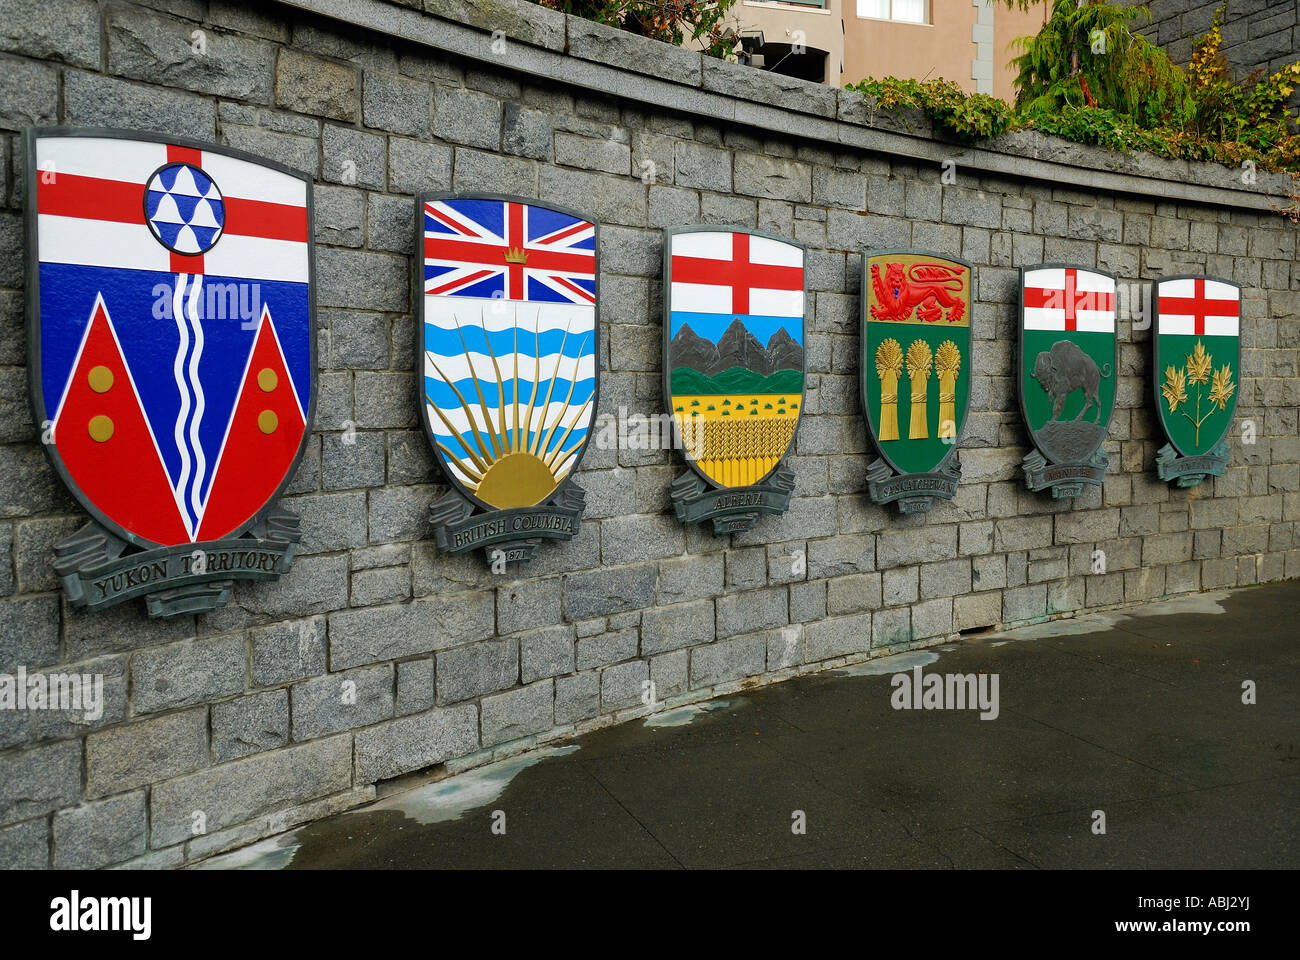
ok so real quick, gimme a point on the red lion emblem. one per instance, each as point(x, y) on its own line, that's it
point(927, 288)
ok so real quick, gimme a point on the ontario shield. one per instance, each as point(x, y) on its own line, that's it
point(171, 345)
point(507, 366)
point(1068, 363)
point(915, 373)
point(733, 369)
point(1197, 358)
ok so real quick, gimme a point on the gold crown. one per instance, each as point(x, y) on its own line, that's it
point(516, 255)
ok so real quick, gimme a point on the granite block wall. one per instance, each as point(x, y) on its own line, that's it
point(376, 656)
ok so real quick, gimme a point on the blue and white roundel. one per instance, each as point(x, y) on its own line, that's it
point(184, 208)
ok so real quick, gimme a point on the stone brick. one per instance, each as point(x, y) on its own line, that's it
point(977, 610)
point(476, 669)
point(467, 117)
point(895, 547)
point(100, 834)
point(148, 46)
point(25, 846)
point(288, 651)
point(577, 698)
point(35, 781)
point(703, 167)
point(623, 685)
point(751, 611)
point(837, 637)
point(396, 104)
point(401, 630)
point(193, 671)
point(841, 555)
point(235, 792)
point(946, 579)
point(725, 660)
point(599, 593)
point(690, 578)
point(519, 713)
point(146, 751)
point(606, 648)
point(309, 84)
point(66, 30)
point(29, 632)
point(414, 686)
point(932, 618)
point(545, 653)
point(342, 701)
point(411, 743)
point(528, 603)
point(250, 725)
point(1024, 603)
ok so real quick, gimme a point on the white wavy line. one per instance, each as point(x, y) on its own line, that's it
point(201, 463)
point(178, 365)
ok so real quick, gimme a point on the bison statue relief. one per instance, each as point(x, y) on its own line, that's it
point(1066, 368)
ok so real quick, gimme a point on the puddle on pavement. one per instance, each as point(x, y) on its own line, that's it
point(681, 716)
point(897, 663)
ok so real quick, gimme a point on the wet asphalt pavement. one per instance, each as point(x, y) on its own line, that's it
point(1137, 714)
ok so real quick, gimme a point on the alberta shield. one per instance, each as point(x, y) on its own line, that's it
point(507, 367)
point(1197, 357)
point(1068, 362)
point(915, 373)
point(172, 359)
point(733, 369)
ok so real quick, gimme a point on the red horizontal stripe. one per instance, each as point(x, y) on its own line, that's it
point(760, 276)
point(495, 255)
point(1055, 299)
point(1193, 306)
point(93, 198)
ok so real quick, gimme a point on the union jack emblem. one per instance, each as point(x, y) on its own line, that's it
point(510, 250)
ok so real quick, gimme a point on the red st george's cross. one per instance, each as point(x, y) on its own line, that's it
point(491, 251)
point(737, 273)
point(1198, 306)
point(1071, 298)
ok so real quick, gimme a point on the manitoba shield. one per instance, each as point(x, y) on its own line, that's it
point(507, 367)
point(1068, 359)
point(1197, 358)
point(915, 373)
point(172, 359)
point(733, 369)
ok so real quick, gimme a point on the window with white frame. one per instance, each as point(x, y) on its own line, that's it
point(904, 11)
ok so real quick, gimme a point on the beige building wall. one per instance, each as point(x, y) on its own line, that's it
point(964, 40)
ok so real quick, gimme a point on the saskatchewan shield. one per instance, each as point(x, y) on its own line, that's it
point(733, 369)
point(1068, 359)
point(172, 359)
point(915, 373)
point(1197, 358)
point(507, 367)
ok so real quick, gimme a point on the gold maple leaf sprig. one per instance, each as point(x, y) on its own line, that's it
point(1198, 371)
point(1223, 388)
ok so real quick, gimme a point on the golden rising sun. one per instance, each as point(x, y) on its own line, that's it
point(510, 469)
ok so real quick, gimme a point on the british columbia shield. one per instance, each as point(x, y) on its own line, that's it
point(733, 369)
point(507, 367)
point(915, 373)
point(171, 346)
point(1068, 362)
point(1197, 359)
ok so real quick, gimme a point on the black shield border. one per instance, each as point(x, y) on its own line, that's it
point(31, 280)
point(417, 286)
point(863, 306)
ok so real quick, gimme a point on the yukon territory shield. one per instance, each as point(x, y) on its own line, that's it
point(915, 373)
point(507, 368)
point(1068, 363)
point(733, 370)
point(172, 359)
point(1197, 358)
